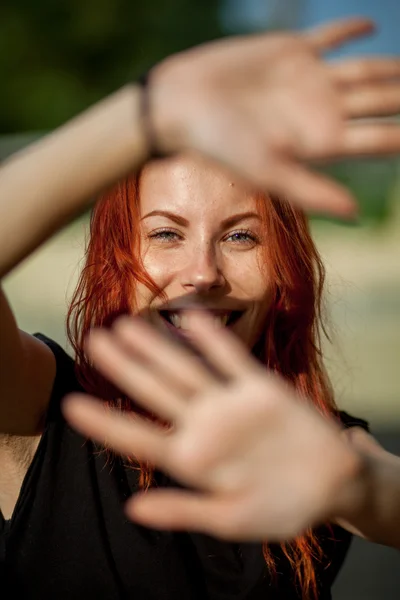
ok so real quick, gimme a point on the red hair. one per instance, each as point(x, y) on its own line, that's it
point(290, 342)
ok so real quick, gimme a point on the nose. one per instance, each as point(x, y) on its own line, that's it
point(203, 273)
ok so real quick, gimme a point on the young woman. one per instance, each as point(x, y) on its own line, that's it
point(181, 228)
point(64, 533)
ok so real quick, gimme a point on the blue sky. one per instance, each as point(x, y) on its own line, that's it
point(385, 12)
point(241, 15)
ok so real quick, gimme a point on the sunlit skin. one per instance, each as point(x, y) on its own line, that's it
point(202, 234)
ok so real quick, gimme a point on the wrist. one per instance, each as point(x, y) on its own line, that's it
point(165, 107)
point(354, 492)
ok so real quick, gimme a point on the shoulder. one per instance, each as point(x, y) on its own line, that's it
point(63, 361)
point(28, 369)
point(65, 379)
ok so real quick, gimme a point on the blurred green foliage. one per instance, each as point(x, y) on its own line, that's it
point(57, 57)
point(374, 182)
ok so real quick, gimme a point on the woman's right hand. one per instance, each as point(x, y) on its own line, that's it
point(260, 462)
point(262, 105)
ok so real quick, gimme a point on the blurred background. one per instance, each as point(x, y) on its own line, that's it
point(56, 58)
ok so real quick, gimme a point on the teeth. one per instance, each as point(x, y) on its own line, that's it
point(182, 321)
point(175, 320)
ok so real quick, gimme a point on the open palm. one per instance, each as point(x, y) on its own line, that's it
point(260, 463)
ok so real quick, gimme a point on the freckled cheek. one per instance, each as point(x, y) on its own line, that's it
point(251, 278)
point(260, 289)
point(161, 269)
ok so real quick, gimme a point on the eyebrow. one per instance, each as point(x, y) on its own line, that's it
point(234, 219)
point(169, 215)
point(229, 222)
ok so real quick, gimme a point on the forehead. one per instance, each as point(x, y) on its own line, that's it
point(193, 187)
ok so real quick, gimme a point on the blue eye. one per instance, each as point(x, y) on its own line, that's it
point(166, 235)
point(242, 237)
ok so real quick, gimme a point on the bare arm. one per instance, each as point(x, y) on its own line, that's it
point(46, 185)
point(371, 503)
point(27, 370)
point(41, 189)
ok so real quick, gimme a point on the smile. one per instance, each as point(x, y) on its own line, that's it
point(180, 320)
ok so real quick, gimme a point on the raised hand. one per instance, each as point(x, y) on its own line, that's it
point(264, 464)
point(265, 104)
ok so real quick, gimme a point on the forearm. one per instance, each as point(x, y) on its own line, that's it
point(372, 506)
point(44, 186)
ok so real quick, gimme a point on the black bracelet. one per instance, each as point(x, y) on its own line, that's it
point(154, 151)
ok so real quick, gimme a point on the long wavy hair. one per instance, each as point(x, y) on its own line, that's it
point(290, 344)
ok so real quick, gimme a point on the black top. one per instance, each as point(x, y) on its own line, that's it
point(69, 538)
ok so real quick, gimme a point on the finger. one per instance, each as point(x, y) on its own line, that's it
point(372, 100)
point(330, 36)
point(166, 358)
point(181, 510)
point(220, 347)
point(365, 70)
point(133, 378)
point(261, 163)
point(366, 139)
point(124, 433)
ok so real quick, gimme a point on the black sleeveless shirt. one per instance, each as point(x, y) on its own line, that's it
point(69, 539)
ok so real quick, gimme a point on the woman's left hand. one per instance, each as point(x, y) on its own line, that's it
point(260, 462)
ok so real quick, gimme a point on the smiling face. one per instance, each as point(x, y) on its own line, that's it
point(201, 234)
